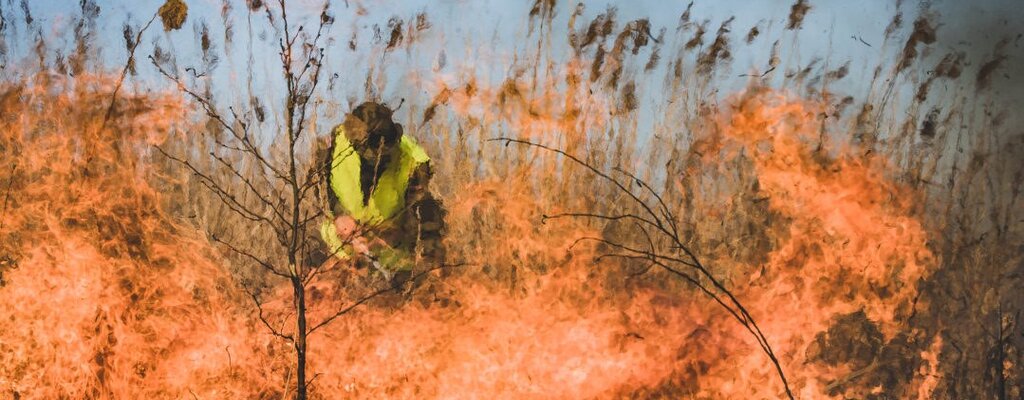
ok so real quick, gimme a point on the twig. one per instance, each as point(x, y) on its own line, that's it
point(377, 293)
point(124, 72)
point(226, 197)
point(860, 39)
point(666, 225)
point(761, 75)
point(545, 217)
point(211, 111)
point(263, 319)
point(248, 184)
point(266, 265)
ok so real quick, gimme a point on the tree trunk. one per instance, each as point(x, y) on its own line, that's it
point(300, 339)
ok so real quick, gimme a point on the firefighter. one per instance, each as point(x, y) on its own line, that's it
point(380, 210)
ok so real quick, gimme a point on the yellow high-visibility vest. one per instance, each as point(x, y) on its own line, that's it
point(387, 198)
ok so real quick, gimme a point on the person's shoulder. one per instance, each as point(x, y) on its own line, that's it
point(339, 140)
point(413, 150)
point(338, 130)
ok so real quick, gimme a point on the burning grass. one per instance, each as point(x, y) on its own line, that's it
point(111, 296)
point(867, 274)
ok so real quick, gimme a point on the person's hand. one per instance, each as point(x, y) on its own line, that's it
point(348, 231)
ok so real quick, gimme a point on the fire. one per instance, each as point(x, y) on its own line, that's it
point(848, 242)
point(114, 295)
point(851, 251)
point(111, 298)
point(116, 299)
point(557, 334)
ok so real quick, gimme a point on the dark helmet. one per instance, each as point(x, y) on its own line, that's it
point(370, 126)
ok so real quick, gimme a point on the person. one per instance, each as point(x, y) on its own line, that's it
point(381, 212)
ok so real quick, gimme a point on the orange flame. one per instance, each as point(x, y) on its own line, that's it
point(111, 298)
point(849, 242)
point(114, 299)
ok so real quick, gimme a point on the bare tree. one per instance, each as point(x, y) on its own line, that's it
point(666, 248)
point(276, 187)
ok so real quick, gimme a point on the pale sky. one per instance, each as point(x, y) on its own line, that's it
point(484, 36)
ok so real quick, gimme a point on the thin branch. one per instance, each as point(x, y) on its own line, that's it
point(227, 201)
point(668, 228)
point(211, 111)
point(310, 218)
point(248, 184)
point(312, 179)
point(546, 217)
point(266, 265)
point(245, 151)
point(633, 257)
point(263, 319)
point(592, 169)
point(375, 294)
point(228, 198)
point(124, 72)
point(310, 381)
point(666, 212)
point(630, 249)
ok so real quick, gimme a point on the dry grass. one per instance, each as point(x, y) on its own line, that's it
point(950, 153)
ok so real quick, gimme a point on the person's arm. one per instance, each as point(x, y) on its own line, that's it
point(418, 183)
point(427, 215)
